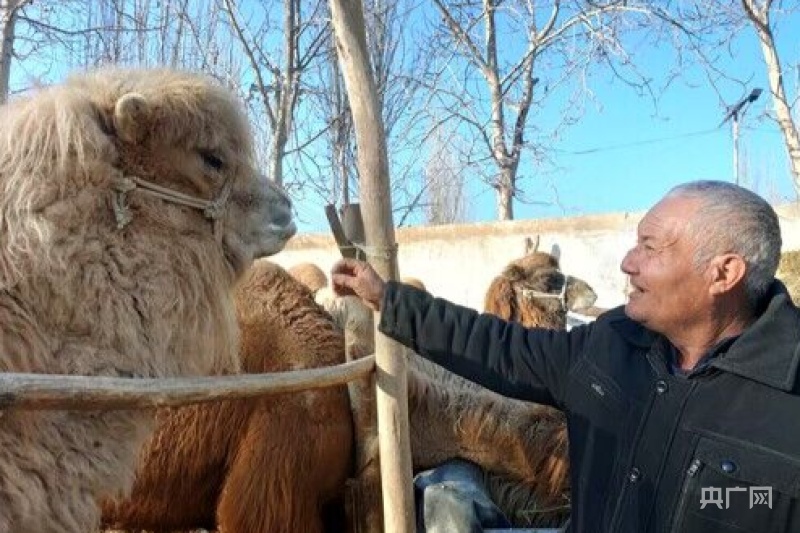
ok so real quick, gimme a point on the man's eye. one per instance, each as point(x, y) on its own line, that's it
point(650, 249)
point(211, 159)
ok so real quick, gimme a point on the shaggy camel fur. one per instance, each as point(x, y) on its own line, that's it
point(414, 282)
point(253, 466)
point(523, 446)
point(789, 273)
point(533, 291)
point(309, 275)
point(100, 276)
point(195, 473)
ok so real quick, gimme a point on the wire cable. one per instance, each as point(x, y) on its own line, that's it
point(611, 147)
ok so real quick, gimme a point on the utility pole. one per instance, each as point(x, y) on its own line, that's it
point(733, 114)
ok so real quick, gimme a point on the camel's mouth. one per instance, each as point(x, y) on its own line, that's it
point(241, 251)
point(277, 227)
point(279, 236)
point(582, 301)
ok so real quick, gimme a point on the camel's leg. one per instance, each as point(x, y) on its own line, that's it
point(269, 488)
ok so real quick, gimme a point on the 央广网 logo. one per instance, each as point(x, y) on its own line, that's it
point(713, 496)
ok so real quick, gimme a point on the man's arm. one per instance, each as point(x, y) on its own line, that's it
point(528, 364)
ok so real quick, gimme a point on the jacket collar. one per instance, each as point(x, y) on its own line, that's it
point(768, 351)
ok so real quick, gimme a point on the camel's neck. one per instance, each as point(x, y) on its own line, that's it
point(158, 302)
point(549, 315)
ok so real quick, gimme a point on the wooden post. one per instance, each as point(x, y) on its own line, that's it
point(364, 494)
point(375, 199)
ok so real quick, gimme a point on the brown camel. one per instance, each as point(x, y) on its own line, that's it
point(274, 467)
point(789, 272)
point(533, 291)
point(309, 275)
point(270, 464)
point(414, 282)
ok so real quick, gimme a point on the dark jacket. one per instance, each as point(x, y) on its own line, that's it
point(644, 444)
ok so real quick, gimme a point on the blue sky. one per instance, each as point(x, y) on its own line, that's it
point(626, 150)
point(638, 150)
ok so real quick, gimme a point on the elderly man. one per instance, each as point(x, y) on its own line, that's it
point(683, 406)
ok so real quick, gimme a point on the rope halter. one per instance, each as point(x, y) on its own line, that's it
point(561, 295)
point(212, 209)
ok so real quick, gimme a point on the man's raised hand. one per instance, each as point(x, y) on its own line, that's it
point(358, 278)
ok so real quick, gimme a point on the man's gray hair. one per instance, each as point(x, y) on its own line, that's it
point(733, 219)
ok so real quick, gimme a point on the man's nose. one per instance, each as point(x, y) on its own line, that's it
point(628, 265)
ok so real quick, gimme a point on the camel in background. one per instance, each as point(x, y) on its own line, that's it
point(279, 463)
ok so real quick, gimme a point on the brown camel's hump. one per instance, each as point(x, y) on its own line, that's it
point(309, 275)
point(281, 324)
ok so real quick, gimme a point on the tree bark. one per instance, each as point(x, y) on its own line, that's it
point(8, 19)
point(505, 194)
point(783, 111)
point(375, 199)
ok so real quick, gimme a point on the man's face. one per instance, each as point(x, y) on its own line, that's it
point(666, 290)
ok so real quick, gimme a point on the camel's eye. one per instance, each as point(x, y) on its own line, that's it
point(211, 159)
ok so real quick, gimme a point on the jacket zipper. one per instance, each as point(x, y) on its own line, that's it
point(691, 472)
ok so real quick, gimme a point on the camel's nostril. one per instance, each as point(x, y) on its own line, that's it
point(282, 217)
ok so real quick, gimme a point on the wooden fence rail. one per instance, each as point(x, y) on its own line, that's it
point(46, 391)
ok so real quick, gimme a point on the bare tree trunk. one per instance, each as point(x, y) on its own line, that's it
point(277, 83)
point(500, 153)
point(505, 195)
point(759, 16)
point(8, 19)
point(505, 146)
point(575, 34)
point(391, 379)
point(446, 203)
point(287, 91)
point(336, 109)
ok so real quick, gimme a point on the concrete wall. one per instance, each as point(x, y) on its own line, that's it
point(458, 262)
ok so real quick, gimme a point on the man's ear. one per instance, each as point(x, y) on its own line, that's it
point(727, 271)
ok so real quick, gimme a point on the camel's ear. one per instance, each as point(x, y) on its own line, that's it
point(500, 298)
point(530, 245)
point(131, 118)
point(555, 251)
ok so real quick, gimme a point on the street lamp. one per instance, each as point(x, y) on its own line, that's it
point(734, 112)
